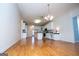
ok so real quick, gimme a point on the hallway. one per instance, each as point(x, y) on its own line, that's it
point(43, 48)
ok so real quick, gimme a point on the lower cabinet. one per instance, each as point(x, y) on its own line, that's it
point(56, 36)
point(53, 36)
point(40, 36)
point(23, 35)
point(49, 36)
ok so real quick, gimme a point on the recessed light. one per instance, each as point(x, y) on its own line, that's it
point(37, 21)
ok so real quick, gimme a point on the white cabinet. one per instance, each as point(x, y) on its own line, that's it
point(56, 36)
point(24, 35)
point(49, 26)
point(40, 36)
point(53, 36)
point(48, 35)
point(23, 29)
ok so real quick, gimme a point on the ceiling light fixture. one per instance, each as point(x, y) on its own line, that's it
point(37, 21)
point(48, 17)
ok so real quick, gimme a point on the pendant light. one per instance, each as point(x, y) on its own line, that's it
point(48, 17)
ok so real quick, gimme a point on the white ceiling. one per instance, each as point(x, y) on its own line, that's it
point(31, 11)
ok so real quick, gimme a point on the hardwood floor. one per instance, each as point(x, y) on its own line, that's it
point(45, 47)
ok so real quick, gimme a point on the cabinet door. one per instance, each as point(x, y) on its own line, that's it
point(56, 36)
point(51, 26)
point(48, 35)
point(40, 36)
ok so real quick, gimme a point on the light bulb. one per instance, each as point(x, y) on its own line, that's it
point(46, 18)
point(51, 17)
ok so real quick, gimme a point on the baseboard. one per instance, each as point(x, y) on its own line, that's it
point(65, 41)
point(77, 42)
point(11, 45)
point(61, 41)
point(3, 54)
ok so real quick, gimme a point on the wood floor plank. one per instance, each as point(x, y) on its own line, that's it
point(45, 47)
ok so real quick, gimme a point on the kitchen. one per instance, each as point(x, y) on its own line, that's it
point(40, 32)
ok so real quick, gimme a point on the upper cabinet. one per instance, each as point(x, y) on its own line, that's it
point(49, 26)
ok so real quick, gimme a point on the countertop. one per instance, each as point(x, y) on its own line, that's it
point(47, 32)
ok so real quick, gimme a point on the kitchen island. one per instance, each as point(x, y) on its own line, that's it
point(40, 35)
point(49, 35)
